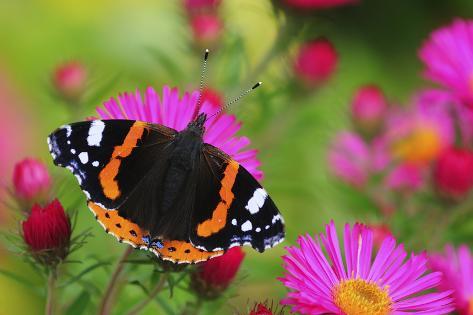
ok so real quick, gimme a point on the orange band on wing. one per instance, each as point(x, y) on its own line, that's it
point(219, 215)
point(110, 171)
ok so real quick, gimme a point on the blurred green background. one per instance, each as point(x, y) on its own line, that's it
point(118, 40)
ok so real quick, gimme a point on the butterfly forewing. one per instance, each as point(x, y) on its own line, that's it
point(108, 157)
point(231, 207)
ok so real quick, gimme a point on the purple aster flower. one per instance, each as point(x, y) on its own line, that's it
point(457, 269)
point(176, 112)
point(448, 56)
point(354, 283)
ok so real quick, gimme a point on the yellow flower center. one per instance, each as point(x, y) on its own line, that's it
point(360, 297)
point(421, 146)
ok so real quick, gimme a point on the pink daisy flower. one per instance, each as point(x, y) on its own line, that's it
point(176, 112)
point(448, 55)
point(418, 134)
point(444, 101)
point(457, 269)
point(354, 283)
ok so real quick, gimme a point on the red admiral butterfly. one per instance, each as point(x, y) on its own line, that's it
point(167, 191)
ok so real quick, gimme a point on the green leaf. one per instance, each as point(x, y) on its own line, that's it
point(79, 306)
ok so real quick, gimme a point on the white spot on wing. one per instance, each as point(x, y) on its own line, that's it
point(68, 130)
point(95, 133)
point(247, 226)
point(95, 163)
point(258, 229)
point(257, 201)
point(73, 151)
point(276, 218)
point(84, 157)
point(234, 222)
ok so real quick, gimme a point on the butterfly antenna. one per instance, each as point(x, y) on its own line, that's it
point(243, 94)
point(202, 81)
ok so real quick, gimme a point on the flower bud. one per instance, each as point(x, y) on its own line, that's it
point(31, 180)
point(368, 110)
point(212, 277)
point(70, 80)
point(47, 232)
point(260, 309)
point(453, 172)
point(207, 29)
point(315, 62)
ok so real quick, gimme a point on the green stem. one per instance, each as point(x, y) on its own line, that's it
point(137, 308)
point(109, 296)
point(49, 310)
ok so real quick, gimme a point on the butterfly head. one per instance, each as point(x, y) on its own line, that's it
point(197, 125)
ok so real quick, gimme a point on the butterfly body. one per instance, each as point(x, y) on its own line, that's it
point(167, 191)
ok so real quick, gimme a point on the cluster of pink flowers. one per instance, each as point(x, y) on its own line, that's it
point(419, 141)
point(426, 145)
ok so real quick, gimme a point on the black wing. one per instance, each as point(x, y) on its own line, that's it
point(109, 157)
point(231, 208)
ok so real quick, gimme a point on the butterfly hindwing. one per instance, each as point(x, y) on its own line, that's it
point(231, 207)
point(109, 157)
point(128, 232)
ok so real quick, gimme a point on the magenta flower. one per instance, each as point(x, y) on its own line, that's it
point(405, 177)
point(176, 112)
point(457, 269)
point(448, 56)
point(349, 158)
point(445, 103)
point(352, 159)
point(354, 283)
point(419, 133)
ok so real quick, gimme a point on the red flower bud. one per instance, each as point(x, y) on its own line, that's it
point(260, 309)
point(206, 28)
point(315, 62)
point(453, 172)
point(31, 179)
point(215, 275)
point(317, 4)
point(368, 109)
point(70, 80)
point(47, 232)
point(213, 97)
